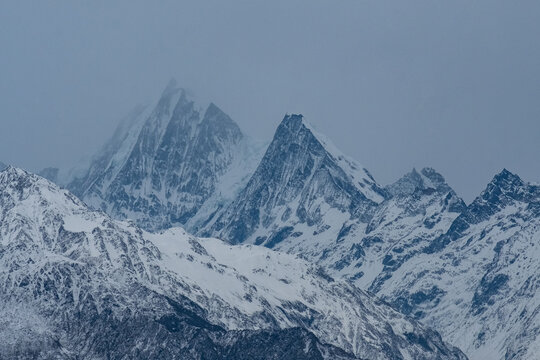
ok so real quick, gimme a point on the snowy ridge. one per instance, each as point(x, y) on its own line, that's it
point(402, 226)
point(471, 272)
point(491, 274)
point(86, 268)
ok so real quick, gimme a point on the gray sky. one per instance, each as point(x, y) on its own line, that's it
point(396, 84)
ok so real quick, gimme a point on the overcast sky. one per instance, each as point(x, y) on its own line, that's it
point(454, 85)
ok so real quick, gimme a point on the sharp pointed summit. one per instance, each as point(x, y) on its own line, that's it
point(505, 186)
point(426, 179)
point(165, 162)
point(302, 186)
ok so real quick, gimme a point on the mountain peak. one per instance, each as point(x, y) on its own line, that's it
point(503, 190)
point(11, 172)
point(215, 115)
point(293, 121)
point(213, 108)
point(427, 178)
point(160, 168)
point(507, 179)
point(299, 167)
point(31, 192)
point(20, 179)
point(506, 187)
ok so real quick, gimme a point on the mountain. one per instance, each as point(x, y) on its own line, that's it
point(2, 166)
point(301, 193)
point(421, 206)
point(459, 269)
point(166, 163)
point(415, 243)
point(76, 283)
point(477, 283)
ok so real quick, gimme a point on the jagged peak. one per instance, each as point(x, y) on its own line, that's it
point(293, 121)
point(178, 96)
point(507, 185)
point(11, 171)
point(213, 109)
point(34, 192)
point(427, 178)
point(294, 124)
point(18, 179)
point(214, 113)
point(505, 178)
point(216, 121)
point(23, 179)
point(432, 174)
point(505, 188)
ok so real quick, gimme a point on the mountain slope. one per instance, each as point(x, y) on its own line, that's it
point(303, 187)
point(478, 282)
point(414, 243)
point(97, 287)
point(165, 162)
point(411, 242)
point(420, 207)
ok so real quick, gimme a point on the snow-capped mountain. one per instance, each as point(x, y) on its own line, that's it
point(420, 208)
point(414, 243)
point(2, 166)
point(303, 188)
point(170, 164)
point(478, 283)
point(471, 272)
point(405, 245)
point(76, 282)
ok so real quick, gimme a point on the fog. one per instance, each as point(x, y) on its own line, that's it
point(454, 85)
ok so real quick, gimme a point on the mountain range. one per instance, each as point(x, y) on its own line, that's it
point(78, 284)
point(468, 271)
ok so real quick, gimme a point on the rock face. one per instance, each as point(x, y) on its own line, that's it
point(164, 163)
point(302, 186)
point(74, 282)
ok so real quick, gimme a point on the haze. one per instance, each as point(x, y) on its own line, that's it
point(395, 84)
